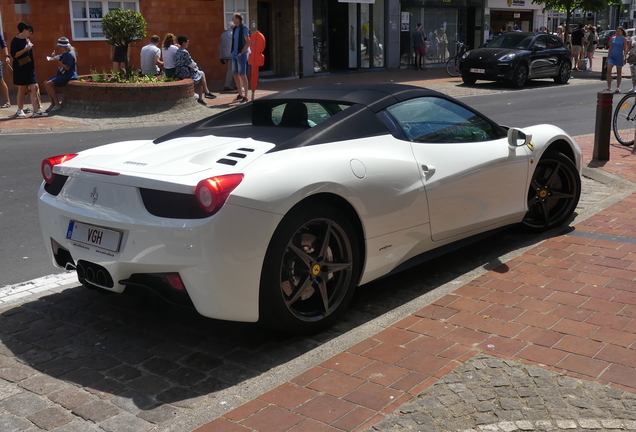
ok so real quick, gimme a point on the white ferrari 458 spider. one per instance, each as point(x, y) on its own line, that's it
point(276, 210)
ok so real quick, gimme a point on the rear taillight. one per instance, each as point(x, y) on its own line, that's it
point(212, 192)
point(49, 163)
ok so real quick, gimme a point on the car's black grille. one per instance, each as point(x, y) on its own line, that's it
point(56, 186)
point(172, 205)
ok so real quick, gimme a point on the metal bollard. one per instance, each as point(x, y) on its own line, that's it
point(604, 68)
point(603, 125)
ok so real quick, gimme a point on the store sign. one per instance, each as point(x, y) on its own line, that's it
point(357, 1)
point(516, 3)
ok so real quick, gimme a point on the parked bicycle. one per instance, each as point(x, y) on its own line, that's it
point(624, 120)
point(452, 65)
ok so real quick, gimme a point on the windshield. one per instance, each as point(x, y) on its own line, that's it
point(512, 41)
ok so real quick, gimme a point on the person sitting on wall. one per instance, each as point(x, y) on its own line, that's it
point(151, 57)
point(66, 72)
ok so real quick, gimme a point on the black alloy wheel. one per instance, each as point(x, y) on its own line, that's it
point(520, 76)
point(564, 73)
point(310, 271)
point(468, 80)
point(554, 192)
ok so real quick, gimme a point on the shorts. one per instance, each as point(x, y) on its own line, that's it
point(170, 72)
point(576, 50)
point(616, 60)
point(420, 50)
point(239, 64)
point(60, 80)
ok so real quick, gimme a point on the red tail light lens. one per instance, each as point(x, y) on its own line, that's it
point(212, 192)
point(49, 163)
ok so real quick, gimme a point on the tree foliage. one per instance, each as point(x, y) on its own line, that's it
point(123, 27)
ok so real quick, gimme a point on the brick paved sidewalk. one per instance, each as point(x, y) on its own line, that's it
point(567, 305)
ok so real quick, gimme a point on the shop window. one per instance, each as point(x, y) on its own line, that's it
point(86, 16)
point(236, 6)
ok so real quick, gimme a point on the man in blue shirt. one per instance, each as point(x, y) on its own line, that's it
point(240, 51)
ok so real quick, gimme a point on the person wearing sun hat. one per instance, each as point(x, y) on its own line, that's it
point(67, 71)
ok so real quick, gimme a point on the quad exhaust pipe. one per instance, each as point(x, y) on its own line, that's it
point(93, 274)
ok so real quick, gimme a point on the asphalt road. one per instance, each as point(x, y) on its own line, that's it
point(22, 251)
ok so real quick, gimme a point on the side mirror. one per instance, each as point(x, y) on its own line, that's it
point(518, 138)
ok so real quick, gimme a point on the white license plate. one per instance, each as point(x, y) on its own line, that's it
point(473, 70)
point(95, 236)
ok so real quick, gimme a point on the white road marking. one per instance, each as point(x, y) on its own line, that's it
point(53, 283)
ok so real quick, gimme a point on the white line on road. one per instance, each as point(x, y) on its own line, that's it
point(53, 283)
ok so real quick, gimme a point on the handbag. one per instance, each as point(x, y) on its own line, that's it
point(24, 60)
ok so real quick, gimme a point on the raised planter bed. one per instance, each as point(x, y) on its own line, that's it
point(89, 98)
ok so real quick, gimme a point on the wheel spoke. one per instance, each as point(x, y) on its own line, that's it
point(294, 298)
point(325, 242)
point(561, 195)
point(304, 256)
point(554, 175)
point(322, 286)
point(332, 267)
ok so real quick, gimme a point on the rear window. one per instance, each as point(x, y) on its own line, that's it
point(307, 114)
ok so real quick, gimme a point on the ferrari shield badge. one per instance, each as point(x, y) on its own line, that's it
point(531, 146)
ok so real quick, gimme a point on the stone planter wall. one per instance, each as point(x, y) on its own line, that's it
point(90, 99)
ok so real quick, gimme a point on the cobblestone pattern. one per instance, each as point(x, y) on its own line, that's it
point(492, 394)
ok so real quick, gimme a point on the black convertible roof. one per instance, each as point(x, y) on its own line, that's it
point(253, 120)
point(373, 96)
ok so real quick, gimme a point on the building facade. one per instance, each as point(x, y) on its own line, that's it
point(304, 37)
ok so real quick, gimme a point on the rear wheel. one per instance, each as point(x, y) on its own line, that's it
point(564, 73)
point(520, 76)
point(310, 270)
point(554, 192)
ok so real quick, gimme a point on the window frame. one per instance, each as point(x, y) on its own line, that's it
point(229, 9)
point(89, 20)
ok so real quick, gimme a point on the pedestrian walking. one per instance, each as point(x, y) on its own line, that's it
point(419, 46)
point(616, 57)
point(151, 57)
point(185, 67)
point(168, 49)
point(590, 45)
point(66, 71)
point(577, 45)
point(24, 71)
point(240, 51)
point(226, 57)
point(5, 59)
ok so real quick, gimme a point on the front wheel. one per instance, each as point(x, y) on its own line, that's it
point(310, 270)
point(520, 76)
point(452, 67)
point(624, 120)
point(554, 192)
point(468, 80)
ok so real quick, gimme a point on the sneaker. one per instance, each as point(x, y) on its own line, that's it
point(53, 108)
point(202, 102)
point(210, 95)
point(27, 110)
point(7, 105)
point(40, 113)
point(20, 114)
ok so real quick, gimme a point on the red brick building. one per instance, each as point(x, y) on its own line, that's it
point(202, 21)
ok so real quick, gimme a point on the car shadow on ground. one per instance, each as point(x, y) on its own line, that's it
point(130, 350)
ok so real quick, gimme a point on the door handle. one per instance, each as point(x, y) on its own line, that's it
point(428, 169)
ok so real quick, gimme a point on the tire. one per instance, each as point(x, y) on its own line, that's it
point(469, 80)
point(624, 120)
point(452, 67)
point(298, 293)
point(554, 192)
point(564, 73)
point(520, 76)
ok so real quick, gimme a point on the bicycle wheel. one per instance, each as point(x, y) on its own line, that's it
point(452, 67)
point(624, 120)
